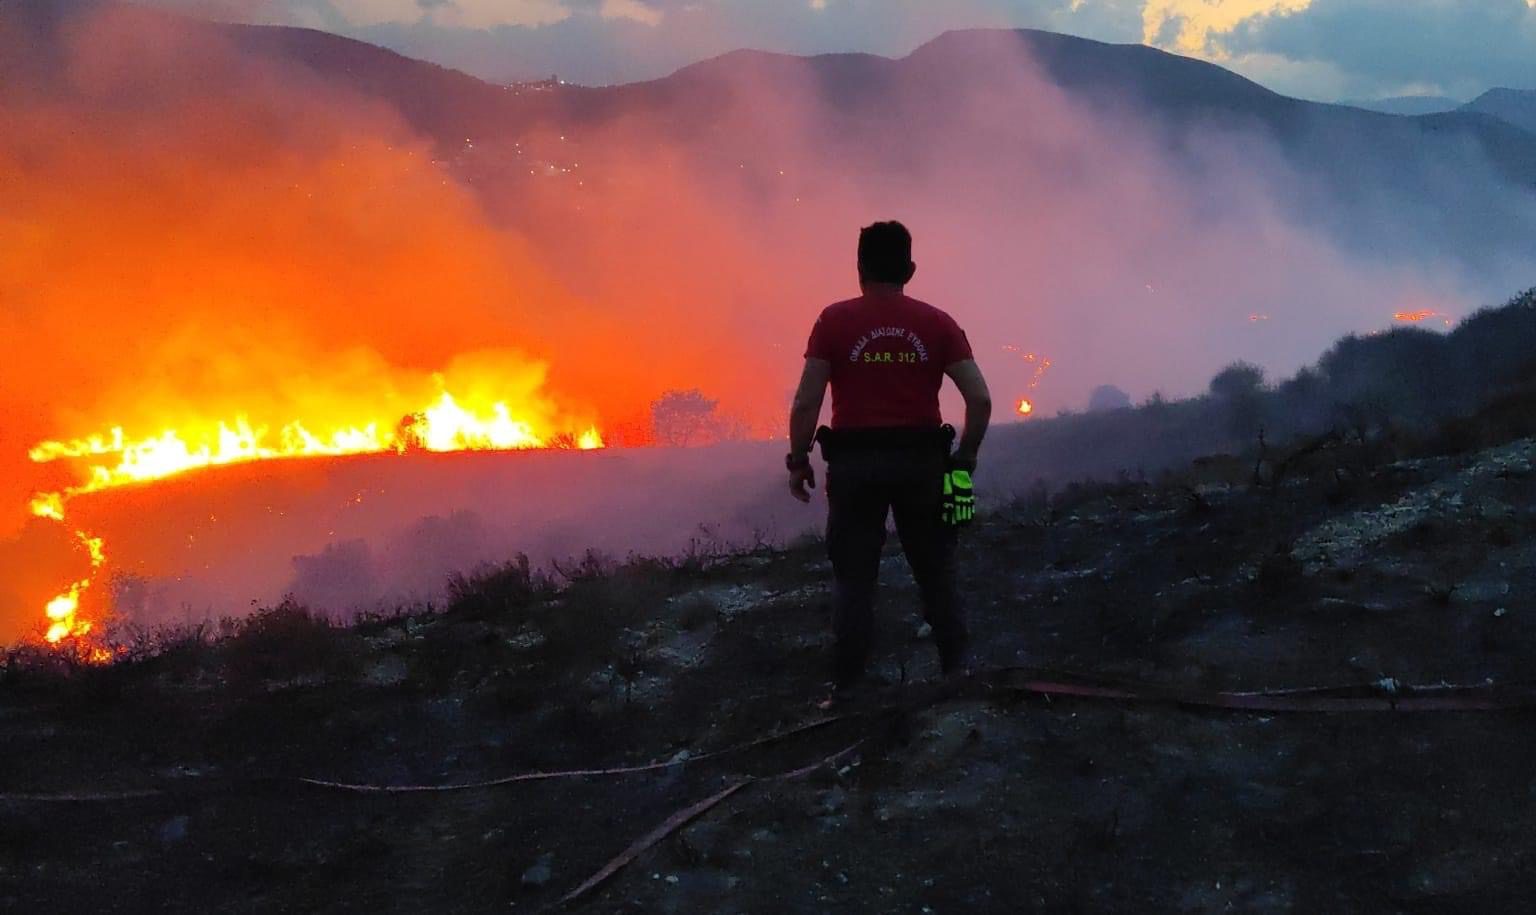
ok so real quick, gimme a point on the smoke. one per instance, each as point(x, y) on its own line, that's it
point(192, 231)
point(194, 234)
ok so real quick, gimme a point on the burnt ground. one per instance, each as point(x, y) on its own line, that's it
point(1352, 569)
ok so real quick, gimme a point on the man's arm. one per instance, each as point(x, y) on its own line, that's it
point(966, 375)
point(803, 415)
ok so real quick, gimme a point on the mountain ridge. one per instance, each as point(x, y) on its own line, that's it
point(1406, 105)
point(1174, 91)
point(1516, 106)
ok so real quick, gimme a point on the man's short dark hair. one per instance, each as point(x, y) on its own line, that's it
point(885, 253)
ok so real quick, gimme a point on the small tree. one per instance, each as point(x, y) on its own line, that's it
point(681, 417)
point(1237, 381)
point(1107, 397)
point(1239, 390)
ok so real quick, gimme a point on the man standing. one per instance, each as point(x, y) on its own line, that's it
point(885, 356)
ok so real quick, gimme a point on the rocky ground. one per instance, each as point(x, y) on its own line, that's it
point(172, 781)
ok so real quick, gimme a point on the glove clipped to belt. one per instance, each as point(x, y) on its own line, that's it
point(959, 506)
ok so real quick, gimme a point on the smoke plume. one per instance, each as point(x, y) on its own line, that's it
point(193, 231)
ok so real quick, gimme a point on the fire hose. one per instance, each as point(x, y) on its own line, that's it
point(1385, 695)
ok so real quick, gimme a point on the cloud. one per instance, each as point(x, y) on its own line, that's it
point(1332, 48)
point(460, 14)
point(378, 12)
point(1189, 25)
point(1459, 46)
point(633, 10)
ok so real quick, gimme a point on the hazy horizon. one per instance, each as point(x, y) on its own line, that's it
point(233, 248)
point(1320, 50)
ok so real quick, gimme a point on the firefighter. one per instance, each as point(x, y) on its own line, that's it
point(885, 356)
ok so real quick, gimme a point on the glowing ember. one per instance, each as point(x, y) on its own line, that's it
point(1040, 365)
point(1423, 314)
point(114, 459)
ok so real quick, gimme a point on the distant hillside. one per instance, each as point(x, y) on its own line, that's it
point(1178, 92)
point(1359, 162)
point(1410, 105)
point(1360, 170)
point(1517, 106)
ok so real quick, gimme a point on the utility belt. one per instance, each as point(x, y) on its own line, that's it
point(958, 507)
point(835, 442)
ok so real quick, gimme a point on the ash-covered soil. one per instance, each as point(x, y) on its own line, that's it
point(1350, 569)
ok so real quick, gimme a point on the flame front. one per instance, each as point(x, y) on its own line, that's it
point(1025, 407)
point(445, 425)
point(114, 459)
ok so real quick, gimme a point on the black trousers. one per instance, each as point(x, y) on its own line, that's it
point(863, 487)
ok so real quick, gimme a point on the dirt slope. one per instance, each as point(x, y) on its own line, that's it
point(1351, 571)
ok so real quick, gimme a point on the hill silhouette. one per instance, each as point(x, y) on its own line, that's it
point(1462, 174)
point(1409, 105)
point(1517, 106)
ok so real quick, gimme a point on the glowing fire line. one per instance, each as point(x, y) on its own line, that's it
point(1422, 314)
point(444, 426)
point(1025, 406)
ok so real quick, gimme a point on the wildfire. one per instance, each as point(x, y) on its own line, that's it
point(48, 505)
point(446, 425)
point(63, 611)
point(114, 459)
point(1422, 314)
point(1040, 365)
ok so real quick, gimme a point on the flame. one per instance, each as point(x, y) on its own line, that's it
point(1422, 314)
point(63, 611)
point(61, 614)
point(445, 425)
point(114, 459)
point(1040, 365)
point(48, 505)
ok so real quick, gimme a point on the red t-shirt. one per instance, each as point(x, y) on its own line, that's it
point(888, 355)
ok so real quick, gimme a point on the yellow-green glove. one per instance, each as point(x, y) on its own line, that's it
point(959, 506)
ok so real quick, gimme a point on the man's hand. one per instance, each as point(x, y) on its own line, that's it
point(978, 410)
point(799, 479)
point(963, 459)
